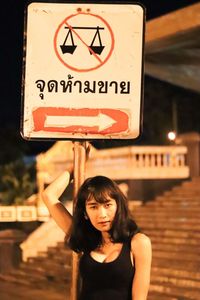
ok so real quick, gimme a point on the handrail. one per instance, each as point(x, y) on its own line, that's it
point(152, 158)
point(132, 162)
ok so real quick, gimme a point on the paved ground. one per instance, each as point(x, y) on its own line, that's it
point(12, 291)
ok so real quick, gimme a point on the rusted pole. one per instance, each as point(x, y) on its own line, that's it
point(79, 177)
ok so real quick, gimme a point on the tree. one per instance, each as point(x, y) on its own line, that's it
point(17, 182)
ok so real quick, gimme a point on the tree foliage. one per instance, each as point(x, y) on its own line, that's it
point(12, 146)
point(17, 182)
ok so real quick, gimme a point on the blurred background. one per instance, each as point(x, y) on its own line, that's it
point(159, 171)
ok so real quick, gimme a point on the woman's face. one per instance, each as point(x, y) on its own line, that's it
point(101, 215)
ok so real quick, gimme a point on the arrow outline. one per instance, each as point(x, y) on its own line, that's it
point(121, 116)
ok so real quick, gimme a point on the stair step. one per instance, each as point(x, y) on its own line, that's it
point(61, 275)
point(170, 289)
point(42, 254)
point(60, 271)
point(14, 279)
point(159, 262)
point(172, 204)
point(55, 259)
point(179, 220)
point(19, 278)
point(61, 258)
point(178, 282)
point(178, 273)
point(178, 198)
point(161, 296)
point(61, 244)
point(186, 257)
point(53, 249)
point(189, 185)
point(185, 192)
point(187, 211)
point(180, 248)
point(23, 273)
point(46, 265)
point(39, 283)
point(172, 233)
point(174, 240)
point(166, 212)
point(169, 206)
point(190, 188)
point(174, 197)
point(160, 225)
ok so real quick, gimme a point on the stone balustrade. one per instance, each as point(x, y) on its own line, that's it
point(23, 213)
point(133, 162)
point(140, 162)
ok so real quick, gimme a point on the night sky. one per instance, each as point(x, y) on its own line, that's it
point(12, 20)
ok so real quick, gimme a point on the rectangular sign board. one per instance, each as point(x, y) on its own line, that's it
point(83, 71)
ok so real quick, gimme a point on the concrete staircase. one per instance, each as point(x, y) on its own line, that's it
point(50, 270)
point(173, 224)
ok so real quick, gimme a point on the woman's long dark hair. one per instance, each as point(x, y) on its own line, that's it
point(84, 236)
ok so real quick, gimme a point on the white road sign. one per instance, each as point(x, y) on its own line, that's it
point(83, 71)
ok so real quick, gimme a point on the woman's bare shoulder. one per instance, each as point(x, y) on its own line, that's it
point(140, 242)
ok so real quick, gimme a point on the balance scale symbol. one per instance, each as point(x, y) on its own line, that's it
point(71, 47)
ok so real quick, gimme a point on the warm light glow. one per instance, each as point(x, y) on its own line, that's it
point(171, 135)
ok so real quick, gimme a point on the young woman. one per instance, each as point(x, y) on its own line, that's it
point(116, 257)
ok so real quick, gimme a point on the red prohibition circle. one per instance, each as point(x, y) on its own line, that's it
point(102, 62)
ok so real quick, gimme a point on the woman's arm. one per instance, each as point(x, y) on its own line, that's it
point(51, 197)
point(142, 253)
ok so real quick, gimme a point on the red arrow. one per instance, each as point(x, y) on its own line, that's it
point(83, 120)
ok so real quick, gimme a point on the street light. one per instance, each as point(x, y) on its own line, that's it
point(171, 135)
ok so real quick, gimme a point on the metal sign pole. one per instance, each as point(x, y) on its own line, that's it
point(79, 177)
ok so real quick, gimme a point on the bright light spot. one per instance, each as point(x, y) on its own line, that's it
point(171, 135)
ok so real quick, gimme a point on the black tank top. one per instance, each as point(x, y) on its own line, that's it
point(107, 281)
